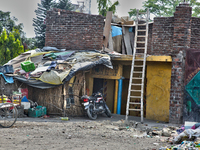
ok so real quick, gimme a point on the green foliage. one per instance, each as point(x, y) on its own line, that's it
point(63, 4)
point(165, 8)
point(106, 5)
point(39, 21)
point(10, 47)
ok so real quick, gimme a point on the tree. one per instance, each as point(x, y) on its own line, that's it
point(63, 4)
point(39, 21)
point(165, 8)
point(9, 46)
point(106, 5)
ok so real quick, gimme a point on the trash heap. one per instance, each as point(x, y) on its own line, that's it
point(185, 137)
point(49, 67)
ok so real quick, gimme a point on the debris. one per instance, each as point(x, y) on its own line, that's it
point(64, 118)
point(166, 132)
point(156, 144)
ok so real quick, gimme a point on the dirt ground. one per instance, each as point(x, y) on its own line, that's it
point(79, 135)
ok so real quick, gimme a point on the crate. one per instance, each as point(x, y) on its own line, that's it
point(37, 112)
point(28, 66)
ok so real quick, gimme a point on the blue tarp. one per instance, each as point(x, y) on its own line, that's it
point(116, 31)
point(7, 78)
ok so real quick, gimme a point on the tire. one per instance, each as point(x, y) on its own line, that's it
point(8, 115)
point(90, 113)
point(107, 112)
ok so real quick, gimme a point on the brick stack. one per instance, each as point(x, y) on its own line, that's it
point(73, 30)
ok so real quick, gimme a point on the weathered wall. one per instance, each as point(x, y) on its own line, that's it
point(172, 36)
point(195, 33)
point(73, 30)
point(162, 36)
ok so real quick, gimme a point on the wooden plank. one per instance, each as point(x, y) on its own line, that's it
point(132, 38)
point(110, 45)
point(91, 82)
point(120, 70)
point(116, 96)
point(126, 36)
point(107, 28)
point(123, 46)
point(106, 77)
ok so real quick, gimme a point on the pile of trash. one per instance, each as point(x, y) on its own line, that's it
point(185, 137)
point(49, 67)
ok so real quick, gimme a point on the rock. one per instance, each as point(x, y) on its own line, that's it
point(166, 132)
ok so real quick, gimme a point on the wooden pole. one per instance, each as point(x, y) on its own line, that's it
point(116, 95)
point(107, 28)
point(65, 99)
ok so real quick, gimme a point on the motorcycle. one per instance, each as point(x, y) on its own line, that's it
point(95, 105)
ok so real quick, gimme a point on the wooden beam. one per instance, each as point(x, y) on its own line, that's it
point(120, 71)
point(91, 82)
point(107, 28)
point(110, 46)
point(106, 77)
point(116, 96)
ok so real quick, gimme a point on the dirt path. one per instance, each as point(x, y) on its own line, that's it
point(90, 135)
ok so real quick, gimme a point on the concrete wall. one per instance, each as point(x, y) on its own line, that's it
point(74, 31)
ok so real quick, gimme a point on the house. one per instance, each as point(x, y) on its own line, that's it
point(171, 64)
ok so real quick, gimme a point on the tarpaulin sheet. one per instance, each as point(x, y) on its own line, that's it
point(7, 78)
point(79, 61)
point(116, 31)
point(34, 83)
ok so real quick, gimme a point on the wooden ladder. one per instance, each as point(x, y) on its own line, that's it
point(137, 74)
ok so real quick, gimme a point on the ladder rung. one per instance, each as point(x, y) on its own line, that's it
point(136, 90)
point(139, 59)
point(140, 42)
point(141, 30)
point(137, 71)
point(138, 54)
point(136, 84)
point(138, 65)
point(137, 78)
point(140, 47)
point(134, 103)
point(134, 109)
point(144, 24)
point(142, 19)
point(135, 96)
point(141, 36)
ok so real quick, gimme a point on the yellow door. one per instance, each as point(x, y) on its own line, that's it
point(158, 90)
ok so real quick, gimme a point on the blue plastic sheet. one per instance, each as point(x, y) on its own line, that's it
point(7, 78)
point(116, 31)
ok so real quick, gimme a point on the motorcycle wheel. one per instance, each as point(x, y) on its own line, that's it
point(107, 112)
point(90, 113)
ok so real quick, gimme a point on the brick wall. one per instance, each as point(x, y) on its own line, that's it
point(162, 36)
point(73, 30)
point(181, 41)
point(195, 33)
point(172, 36)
